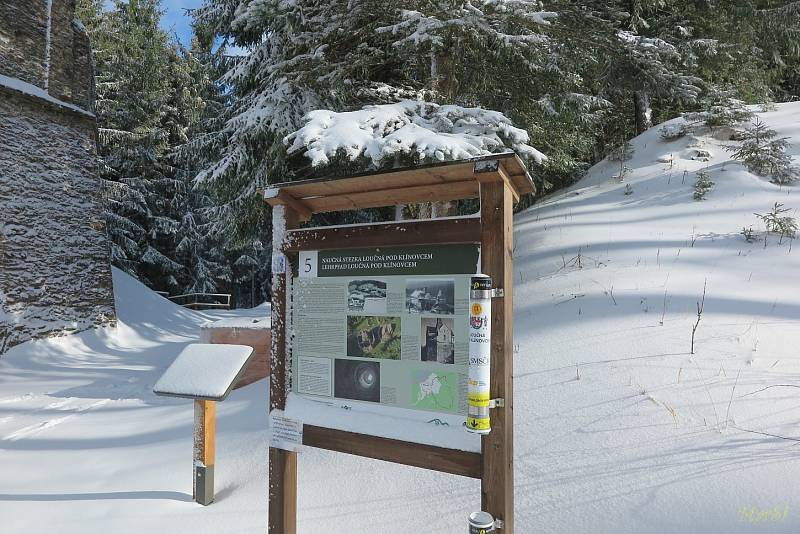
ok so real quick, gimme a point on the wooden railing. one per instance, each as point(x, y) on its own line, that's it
point(203, 301)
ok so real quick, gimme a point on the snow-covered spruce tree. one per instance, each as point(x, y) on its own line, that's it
point(703, 185)
point(207, 266)
point(462, 48)
point(302, 56)
point(739, 50)
point(778, 222)
point(673, 49)
point(765, 155)
point(131, 67)
point(499, 55)
point(625, 54)
point(768, 36)
point(147, 99)
point(344, 54)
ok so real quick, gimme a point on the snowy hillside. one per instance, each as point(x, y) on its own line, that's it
point(625, 431)
point(618, 427)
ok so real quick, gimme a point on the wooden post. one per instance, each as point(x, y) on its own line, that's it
point(282, 464)
point(205, 412)
point(497, 233)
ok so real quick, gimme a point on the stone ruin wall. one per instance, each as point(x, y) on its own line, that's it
point(55, 275)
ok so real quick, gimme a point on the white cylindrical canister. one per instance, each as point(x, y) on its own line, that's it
point(480, 318)
point(481, 523)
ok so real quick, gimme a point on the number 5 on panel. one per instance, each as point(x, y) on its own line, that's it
point(308, 264)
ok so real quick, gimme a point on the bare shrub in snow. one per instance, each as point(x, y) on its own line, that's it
point(701, 304)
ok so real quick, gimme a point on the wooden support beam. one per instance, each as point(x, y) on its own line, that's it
point(430, 174)
point(498, 175)
point(390, 197)
point(497, 484)
point(279, 318)
point(303, 212)
point(208, 435)
point(282, 492)
point(282, 464)
point(451, 461)
point(465, 230)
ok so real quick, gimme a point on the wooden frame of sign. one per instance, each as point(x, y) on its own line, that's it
point(498, 180)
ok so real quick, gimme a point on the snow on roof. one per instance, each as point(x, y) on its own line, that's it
point(16, 84)
point(434, 132)
point(205, 371)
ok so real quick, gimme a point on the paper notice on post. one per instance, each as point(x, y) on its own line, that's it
point(285, 433)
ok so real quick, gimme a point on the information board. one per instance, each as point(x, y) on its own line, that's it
point(386, 326)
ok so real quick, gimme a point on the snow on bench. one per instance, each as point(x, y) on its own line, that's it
point(204, 371)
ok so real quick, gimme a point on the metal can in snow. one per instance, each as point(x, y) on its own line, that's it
point(481, 523)
point(480, 317)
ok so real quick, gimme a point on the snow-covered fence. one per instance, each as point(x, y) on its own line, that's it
point(203, 301)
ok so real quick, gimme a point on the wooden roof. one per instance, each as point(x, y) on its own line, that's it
point(453, 180)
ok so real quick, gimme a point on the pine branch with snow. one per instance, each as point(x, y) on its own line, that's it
point(383, 133)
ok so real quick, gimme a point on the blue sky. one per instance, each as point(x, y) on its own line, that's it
point(175, 18)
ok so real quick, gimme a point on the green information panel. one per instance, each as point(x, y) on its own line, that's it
point(385, 326)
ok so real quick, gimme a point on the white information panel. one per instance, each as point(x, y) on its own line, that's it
point(384, 326)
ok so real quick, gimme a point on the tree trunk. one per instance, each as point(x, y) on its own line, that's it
point(443, 83)
point(643, 112)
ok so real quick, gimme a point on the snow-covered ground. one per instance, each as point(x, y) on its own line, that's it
point(85, 446)
point(618, 427)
